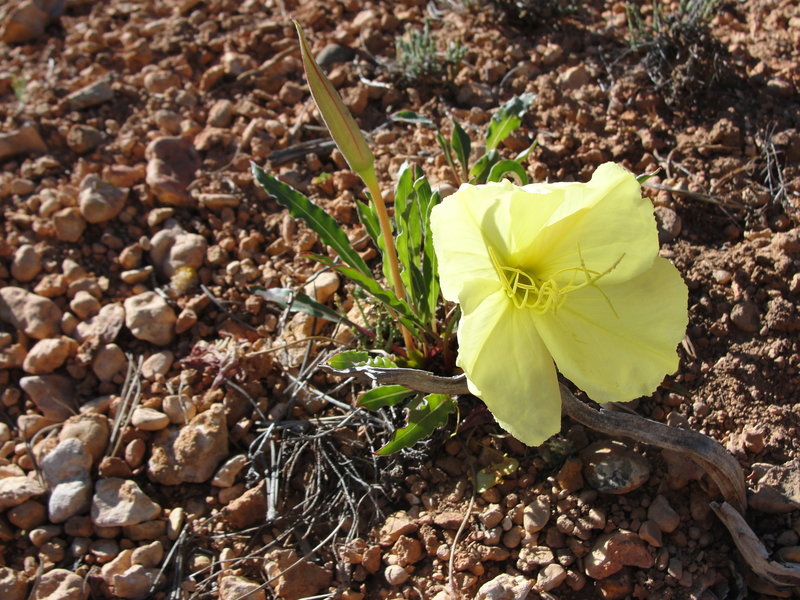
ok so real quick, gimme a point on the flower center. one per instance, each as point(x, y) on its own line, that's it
point(541, 296)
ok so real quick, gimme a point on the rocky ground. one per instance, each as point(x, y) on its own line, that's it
point(165, 432)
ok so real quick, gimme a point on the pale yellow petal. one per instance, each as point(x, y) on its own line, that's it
point(509, 368)
point(605, 223)
point(622, 356)
point(467, 222)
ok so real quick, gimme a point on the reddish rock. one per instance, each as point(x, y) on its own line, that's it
point(615, 550)
point(246, 510)
point(292, 581)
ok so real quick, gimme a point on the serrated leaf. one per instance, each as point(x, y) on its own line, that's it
point(507, 118)
point(462, 146)
point(499, 170)
point(409, 116)
point(317, 219)
point(424, 416)
point(385, 395)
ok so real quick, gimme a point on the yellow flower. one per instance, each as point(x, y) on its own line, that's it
point(566, 273)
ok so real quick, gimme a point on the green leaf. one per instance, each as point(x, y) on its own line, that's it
point(461, 144)
point(507, 118)
point(424, 416)
point(409, 116)
point(499, 170)
point(386, 395)
point(480, 170)
point(348, 359)
point(368, 218)
point(645, 176)
point(492, 475)
point(317, 219)
point(300, 302)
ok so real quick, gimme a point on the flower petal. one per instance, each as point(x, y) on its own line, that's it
point(465, 223)
point(622, 356)
point(509, 368)
point(601, 222)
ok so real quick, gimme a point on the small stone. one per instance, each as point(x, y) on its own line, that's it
point(28, 515)
point(150, 555)
point(37, 316)
point(135, 582)
point(505, 587)
point(179, 409)
point(334, 54)
point(669, 224)
point(491, 516)
point(323, 286)
point(60, 584)
point(613, 551)
point(171, 167)
point(68, 461)
point(574, 78)
point(102, 328)
point(93, 94)
point(745, 316)
point(226, 475)
point(234, 587)
point(551, 577)
point(104, 550)
point(304, 579)
point(612, 468)
point(48, 355)
point(663, 514)
point(52, 394)
point(84, 305)
point(26, 263)
point(407, 551)
point(108, 361)
point(27, 21)
point(174, 248)
point(650, 532)
point(69, 224)
point(157, 364)
point(536, 515)
point(220, 114)
point(394, 526)
point(150, 318)
point(395, 575)
point(100, 201)
point(92, 430)
point(158, 82)
point(120, 502)
point(69, 499)
point(146, 530)
point(13, 584)
point(569, 477)
point(534, 557)
point(149, 419)
point(25, 140)
point(83, 138)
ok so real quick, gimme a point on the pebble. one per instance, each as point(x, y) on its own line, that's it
point(157, 364)
point(234, 587)
point(104, 550)
point(108, 361)
point(69, 499)
point(613, 551)
point(26, 21)
point(569, 477)
point(69, 224)
point(24, 140)
point(97, 92)
point(395, 575)
point(135, 582)
point(53, 395)
point(226, 475)
point(100, 201)
point(505, 587)
point(13, 584)
point(159, 81)
point(171, 166)
point(650, 532)
point(491, 516)
point(613, 468)
point(35, 315)
point(179, 409)
point(551, 577)
point(119, 502)
point(149, 419)
point(536, 514)
point(669, 224)
point(66, 471)
point(304, 579)
point(48, 355)
point(745, 316)
point(59, 584)
point(83, 138)
point(150, 318)
point(135, 451)
point(174, 248)
point(220, 114)
point(533, 557)
point(103, 327)
point(322, 287)
point(395, 525)
point(149, 555)
point(84, 305)
point(28, 515)
point(192, 453)
point(26, 264)
point(663, 514)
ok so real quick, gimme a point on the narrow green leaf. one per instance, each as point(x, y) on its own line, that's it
point(525, 153)
point(300, 302)
point(507, 118)
point(348, 359)
point(645, 176)
point(462, 146)
point(317, 219)
point(424, 416)
point(368, 218)
point(500, 169)
point(409, 116)
point(480, 170)
point(386, 395)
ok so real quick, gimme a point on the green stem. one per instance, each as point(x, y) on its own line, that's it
point(371, 181)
